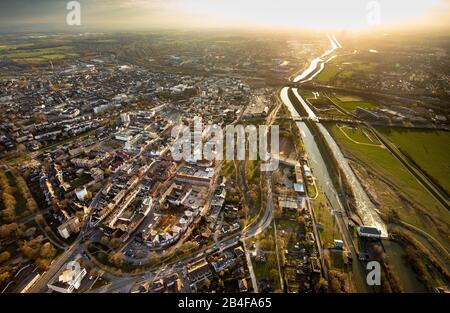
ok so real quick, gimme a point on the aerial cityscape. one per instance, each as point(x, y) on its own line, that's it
point(224, 147)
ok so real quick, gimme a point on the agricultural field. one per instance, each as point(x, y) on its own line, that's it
point(328, 73)
point(325, 108)
point(36, 55)
point(345, 67)
point(429, 149)
point(351, 103)
point(399, 193)
point(348, 98)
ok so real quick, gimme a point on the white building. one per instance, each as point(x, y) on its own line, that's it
point(125, 118)
point(70, 279)
point(81, 193)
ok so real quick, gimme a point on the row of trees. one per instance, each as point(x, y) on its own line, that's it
point(26, 194)
point(9, 200)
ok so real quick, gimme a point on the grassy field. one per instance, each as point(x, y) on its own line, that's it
point(357, 134)
point(328, 230)
point(37, 55)
point(418, 207)
point(328, 73)
point(430, 149)
point(348, 98)
point(352, 105)
point(325, 108)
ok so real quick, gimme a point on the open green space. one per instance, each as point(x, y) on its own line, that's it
point(352, 105)
point(358, 134)
point(328, 73)
point(418, 207)
point(348, 98)
point(37, 55)
point(429, 149)
point(327, 227)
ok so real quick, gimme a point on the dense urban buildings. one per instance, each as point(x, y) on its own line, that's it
point(93, 198)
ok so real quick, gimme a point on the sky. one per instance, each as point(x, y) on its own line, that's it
point(142, 14)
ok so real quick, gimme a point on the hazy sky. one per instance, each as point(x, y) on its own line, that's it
point(127, 14)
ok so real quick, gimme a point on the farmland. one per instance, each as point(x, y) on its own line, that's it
point(343, 102)
point(430, 150)
point(328, 73)
point(33, 55)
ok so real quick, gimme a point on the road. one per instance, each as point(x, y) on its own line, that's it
point(75, 248)
point(167, 268)
point(41, 284)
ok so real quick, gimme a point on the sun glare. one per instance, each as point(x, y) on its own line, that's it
point(322, 14)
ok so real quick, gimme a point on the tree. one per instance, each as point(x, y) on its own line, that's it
point(20, 149)
point(40, 117)
point(190, 245)
point(4, 256)
point(4, 277)
point(116, 259)
point(221, 284)
point(335, 285)
point(105, 240)
point(321, 286)
point(207, 282)
point(7, 229)
point(48, 251)
point(300, 220)
point(152, 256)
point(268, 243)
point(140, 254)
point(273, 274)
point(115, 243)
point(43, 264)
point(31, 248)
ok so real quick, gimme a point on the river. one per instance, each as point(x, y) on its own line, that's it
point(365, 208)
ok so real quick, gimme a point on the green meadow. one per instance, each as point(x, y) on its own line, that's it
point(37, 55)
point(429, 149)
point(352, 105)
